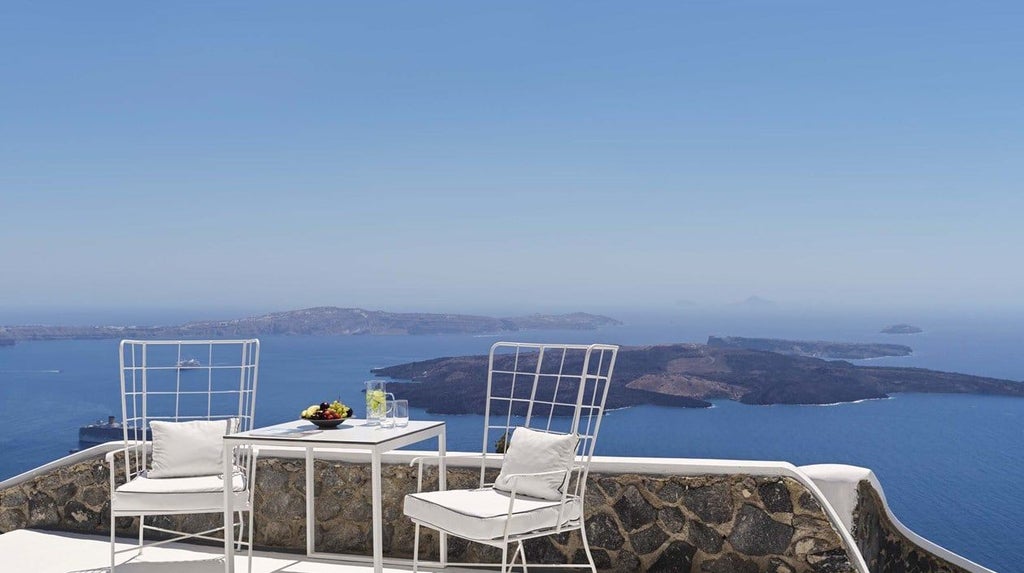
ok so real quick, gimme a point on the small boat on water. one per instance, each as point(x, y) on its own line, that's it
point(185, 364)
point(100, 432)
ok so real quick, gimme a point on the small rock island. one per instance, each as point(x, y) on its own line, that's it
point(901, 329)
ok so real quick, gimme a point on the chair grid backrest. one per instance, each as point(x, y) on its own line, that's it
point(555, 388)
point(184, 380)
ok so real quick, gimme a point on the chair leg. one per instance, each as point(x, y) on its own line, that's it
point(251, 486)
point(241, 532)
point(416, 549)
point(142, 529)
point(522, 555)
point(113, 537)
point(251, 531)
point(504, 559)
point(586, 548)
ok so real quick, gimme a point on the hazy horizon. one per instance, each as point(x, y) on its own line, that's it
point(477, 158)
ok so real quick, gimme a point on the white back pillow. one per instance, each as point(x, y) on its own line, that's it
point(185, 449)
point(531, 451)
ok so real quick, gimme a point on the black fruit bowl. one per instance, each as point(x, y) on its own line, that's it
point(326, 424)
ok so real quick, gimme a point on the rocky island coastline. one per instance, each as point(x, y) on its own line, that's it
point(318, 321)
point(690, 375)
point(813, 348)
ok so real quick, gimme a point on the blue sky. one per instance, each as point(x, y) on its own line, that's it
point(470, 157)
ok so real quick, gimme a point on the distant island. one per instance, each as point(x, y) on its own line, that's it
point(813, 348)
point(319, 321)
point(689, 375)
point(901, 329)
point(755, 302)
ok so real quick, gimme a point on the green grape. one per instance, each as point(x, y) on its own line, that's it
point(375, 399)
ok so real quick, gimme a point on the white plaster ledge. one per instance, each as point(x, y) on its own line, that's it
point(79, 456)
point(838, 483)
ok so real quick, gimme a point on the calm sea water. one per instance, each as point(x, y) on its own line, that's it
point(952, 465)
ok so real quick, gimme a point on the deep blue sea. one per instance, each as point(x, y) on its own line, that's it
point(952, 465)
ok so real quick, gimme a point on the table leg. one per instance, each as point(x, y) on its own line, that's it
point(229, 518)
point(442, 485)
point(378, 527)
point(310, 515)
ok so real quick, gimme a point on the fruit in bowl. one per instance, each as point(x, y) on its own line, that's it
point(327, 415)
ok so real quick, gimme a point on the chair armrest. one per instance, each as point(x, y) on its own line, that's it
point(109, 456)
point(111, 459)
point(419, 460)
point(515, 477)
point(460, 455)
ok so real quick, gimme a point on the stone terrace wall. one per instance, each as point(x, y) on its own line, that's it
point(883, 547)
point(71, 498)
point(711, 523)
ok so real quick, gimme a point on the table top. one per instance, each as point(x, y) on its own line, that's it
point(351, 432)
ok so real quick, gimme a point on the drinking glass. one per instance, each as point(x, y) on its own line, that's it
point(388, 420)
point(401, 413)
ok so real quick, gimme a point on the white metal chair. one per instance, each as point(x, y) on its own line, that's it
point(186, 395)
point(545, 401)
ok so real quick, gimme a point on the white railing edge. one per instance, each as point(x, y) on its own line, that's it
point(72, 458)
point(921, 542)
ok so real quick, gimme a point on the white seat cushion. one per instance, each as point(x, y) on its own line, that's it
point(177, 495)
point(482, 513)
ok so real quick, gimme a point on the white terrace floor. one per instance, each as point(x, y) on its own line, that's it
point(30, 551)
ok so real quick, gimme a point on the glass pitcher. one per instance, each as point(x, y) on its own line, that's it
point(376, 402)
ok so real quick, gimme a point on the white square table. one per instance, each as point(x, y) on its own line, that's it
point(351, 435)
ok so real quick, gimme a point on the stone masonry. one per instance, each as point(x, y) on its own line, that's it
point(708, 523)
point(883, 547)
